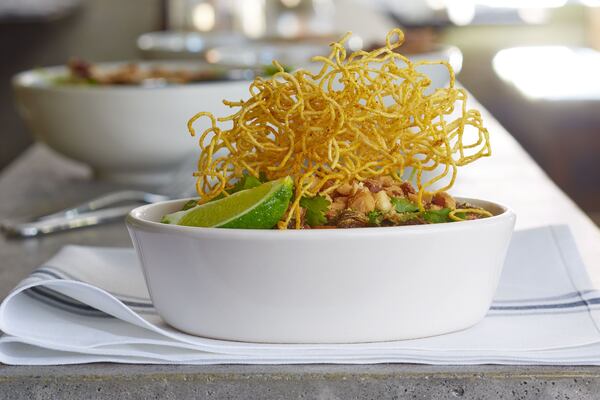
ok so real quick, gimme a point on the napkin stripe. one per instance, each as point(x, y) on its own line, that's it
point(547, 298)
point(526, 313)
point(55, 299)
point(574, 267)
point(497, 307)
point(574, 304)
point(62, 274)
point(44, 271)
point(53, 273)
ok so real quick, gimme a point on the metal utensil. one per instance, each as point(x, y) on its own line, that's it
point(97, 211)
point(109, 199)
point(57, 224)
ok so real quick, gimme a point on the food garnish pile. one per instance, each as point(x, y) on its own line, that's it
point(82, 72)
point(338, 148)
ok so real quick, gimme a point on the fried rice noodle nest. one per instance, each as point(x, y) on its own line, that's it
point(362, 115)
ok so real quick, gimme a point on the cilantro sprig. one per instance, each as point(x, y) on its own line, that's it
point(437, 216)
point(375, 217)
point(246, 182)
point(403, 205)
point(411, 210)
point(315, 207)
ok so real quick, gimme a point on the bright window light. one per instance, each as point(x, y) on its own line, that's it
point(203, 17)
point(461, 12)
point(522, 3)
point(517, 4)
point(551, 72)
point(533, 15)
point(252, 17)
point(436, 4)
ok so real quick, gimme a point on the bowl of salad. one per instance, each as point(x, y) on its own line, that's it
point(125, 120)
point(371, 271)
point(319, 216)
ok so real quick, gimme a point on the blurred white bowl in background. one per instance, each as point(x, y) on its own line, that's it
point(295, 54)
point(173, 45)
point(129, 134)
point(299, 54)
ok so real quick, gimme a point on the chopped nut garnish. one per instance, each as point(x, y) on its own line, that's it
point(346, 189)
point(387, 181)
point(340, 203)
point(362, 201)
point(382, 201)
point(394, 191)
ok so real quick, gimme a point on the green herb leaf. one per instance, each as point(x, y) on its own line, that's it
point(374, 217)
point(315, 209)
point(403, 205)
point(245, 182)
point(461, 215)
point(437, 216)
point(189, 204)
point(270, 70)
point(408, 216)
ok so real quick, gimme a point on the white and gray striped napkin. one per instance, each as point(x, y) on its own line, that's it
point(91, 304)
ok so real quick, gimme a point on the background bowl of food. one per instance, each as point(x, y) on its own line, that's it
point(127, 121)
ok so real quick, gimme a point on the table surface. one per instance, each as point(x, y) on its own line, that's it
point(41, 182)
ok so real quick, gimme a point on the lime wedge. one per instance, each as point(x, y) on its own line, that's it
point(258, 208)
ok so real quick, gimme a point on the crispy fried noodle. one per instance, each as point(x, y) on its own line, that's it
point(362, 115)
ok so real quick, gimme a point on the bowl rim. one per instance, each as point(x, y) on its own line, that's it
point(30, 79)
point(134, 220)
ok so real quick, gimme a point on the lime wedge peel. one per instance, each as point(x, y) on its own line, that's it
point(258, 208)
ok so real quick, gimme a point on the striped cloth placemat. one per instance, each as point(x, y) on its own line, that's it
point(90, 304)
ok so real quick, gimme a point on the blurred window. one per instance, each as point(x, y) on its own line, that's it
point(551, 72)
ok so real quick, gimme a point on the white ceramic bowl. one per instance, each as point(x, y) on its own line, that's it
point(259, 53)
point(321, 286)
point(176, 45)
point(125, 133)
